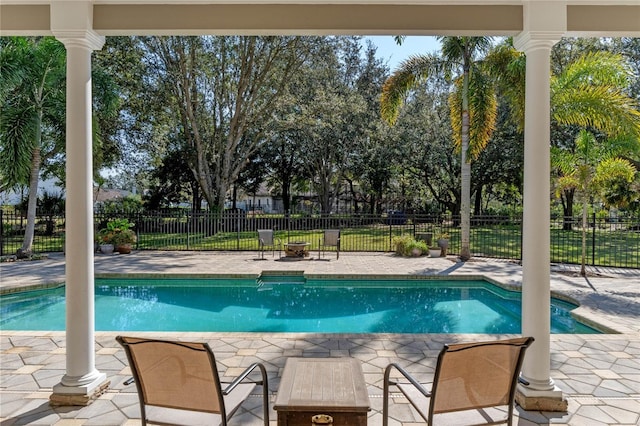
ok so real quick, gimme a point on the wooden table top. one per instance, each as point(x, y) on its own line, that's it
point(328, 383)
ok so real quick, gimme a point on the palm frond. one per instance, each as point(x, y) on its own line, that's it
point(613, 179)
point(455, 113)
point(483, 106)
point(615, 168)
point(17, 133)
point(602, 107)
point(595, 68)
point(11, 67)
point(483, 110)
point(399, 39)
point(566, 182)
point(562, 160)
point(411, 72)
point(459, 49)
point(507, 67)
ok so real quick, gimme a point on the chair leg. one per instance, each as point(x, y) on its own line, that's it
point(385, 398)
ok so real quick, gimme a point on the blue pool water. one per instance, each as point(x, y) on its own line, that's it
point(319, 306)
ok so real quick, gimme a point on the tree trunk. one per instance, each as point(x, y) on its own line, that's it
point(196, 200)
point(286, 195)
point(567, 208)
point(234, 198)
point(465, 174)
point(583, 270)
point(477, 208)
point(27, 244)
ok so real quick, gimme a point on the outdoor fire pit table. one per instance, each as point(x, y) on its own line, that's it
point(297, 249)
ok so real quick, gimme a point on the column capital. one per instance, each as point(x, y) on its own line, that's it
point(544, 24)
point(72, 24)
point(87, 39)
point(534, 40)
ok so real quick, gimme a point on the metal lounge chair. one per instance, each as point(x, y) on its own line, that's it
point(178, 383)
point(267, 239)
point(330, 238)
point(470, 380)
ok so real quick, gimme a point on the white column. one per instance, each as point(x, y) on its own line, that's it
point(82, 381)
point(536, 217)
point(541, 393)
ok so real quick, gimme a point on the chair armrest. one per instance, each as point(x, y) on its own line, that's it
point(414, 382)
point(244, 375)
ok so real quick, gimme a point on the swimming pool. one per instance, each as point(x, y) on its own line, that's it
point(288, 304)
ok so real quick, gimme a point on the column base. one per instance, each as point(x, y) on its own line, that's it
point(79, 395)
point(534, 400)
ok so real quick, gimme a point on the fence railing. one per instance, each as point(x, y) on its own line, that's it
point(609, 243)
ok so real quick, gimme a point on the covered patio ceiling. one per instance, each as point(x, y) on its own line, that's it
point(319, 17)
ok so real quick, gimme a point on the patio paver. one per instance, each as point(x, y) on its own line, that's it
point(599, 374)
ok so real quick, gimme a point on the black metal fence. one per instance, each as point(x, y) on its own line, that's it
point(609, 243)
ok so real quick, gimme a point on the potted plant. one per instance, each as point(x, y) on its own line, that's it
point(123, 240)
point(435, 251)
point(443, 243)
point(105, 245)
point(119, 235)
point(408, 246)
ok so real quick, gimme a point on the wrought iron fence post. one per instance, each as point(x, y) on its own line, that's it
point(593, 241)
point(188, 229)
point(138, 227)
point(1, 233)
point(237, 213)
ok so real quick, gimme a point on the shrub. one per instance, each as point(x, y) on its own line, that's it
point(407, 246)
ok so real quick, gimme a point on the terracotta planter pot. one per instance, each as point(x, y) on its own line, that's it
point(124, 248)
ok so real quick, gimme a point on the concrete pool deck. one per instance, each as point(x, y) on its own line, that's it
point(598, 374)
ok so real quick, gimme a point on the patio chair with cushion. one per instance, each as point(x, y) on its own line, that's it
point(267, 239)
point(330, 238)
point(470, 381)
point(178, 383)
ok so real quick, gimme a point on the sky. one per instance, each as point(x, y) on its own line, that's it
point(389, 50)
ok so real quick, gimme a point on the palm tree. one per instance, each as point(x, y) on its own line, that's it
point(32, 116)
point(589, 93)
point(32, 95)
point(589, 170)
point(472, 104)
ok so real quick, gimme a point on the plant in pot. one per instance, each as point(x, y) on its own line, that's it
point(434, 251)
point(104, 240)
point(408, 246)
point(119, 233)
point(443, 243)
point(123, 240)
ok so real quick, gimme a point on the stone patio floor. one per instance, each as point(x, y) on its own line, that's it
point(599, 374)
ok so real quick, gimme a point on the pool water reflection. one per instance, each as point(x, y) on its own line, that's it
point(318, 306)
